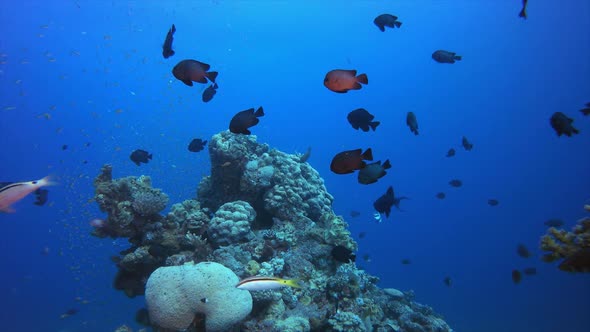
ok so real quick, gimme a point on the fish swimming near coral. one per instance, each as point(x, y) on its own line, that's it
point(361, 118)
point(412, 122)
point(243, 120)
point(466, 144)
point(189, 71)
point(522, 251)
point(342, 80)
point(386, 20)
point(197, 145)
point(373, 172)
point(304, 157)
point(167, 47)
point(522, 12)
point(259, 283)
point(209, 92)
point(562, 124)
point(442, 56)
point(349, 161)
point(140, 156)
point(342, 254)
point(14, 192)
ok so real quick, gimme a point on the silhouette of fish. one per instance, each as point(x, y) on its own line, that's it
point(167, 47)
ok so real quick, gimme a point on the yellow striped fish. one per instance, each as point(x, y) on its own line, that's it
point(258, 283)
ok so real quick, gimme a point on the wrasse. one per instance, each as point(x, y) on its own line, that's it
point(259, 283)
point(14, 192)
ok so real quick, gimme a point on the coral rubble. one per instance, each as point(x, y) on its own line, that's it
point(260, 212)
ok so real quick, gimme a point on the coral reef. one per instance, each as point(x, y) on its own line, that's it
point(573, 247)
point(260, 212)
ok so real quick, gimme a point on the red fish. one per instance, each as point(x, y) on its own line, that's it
point(14, 192)
point(349, 161)
point(341, 80)
point(189, 71)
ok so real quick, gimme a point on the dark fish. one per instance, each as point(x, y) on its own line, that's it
point(41, 196)
point(87, 144)
point(373, 172)
point(441, 195)
point(367, 258)
point(412, 122)
point(406, 261)
point(447, 280)
point(64, 147)
point(442, 56)
point(455, 183)
point(384, 203)
point(303, 158)
point(586, 111)
point(142, 317)
point(466, 144)
point(68, 313)
point(493, 202)
point(342, 80)
point(167, 47)
point(209, 92)
point(578, 262)
point(205, 300)
point(354, 214)
point(343, 254)
point(522, 251)
point(349, 161)
point(189, 71)
point(451, 152)
point(243, 120)
point(516, 276)
point(362, 235)
point(554, 223)
point(563, 125)
point(362, 119)
point(529, 271)
point(140, 156)
point(386, 20)
point(523, 10)
point(197, 145)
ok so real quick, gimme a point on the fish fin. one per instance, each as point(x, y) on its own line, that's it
point(356, 86)
point(8, 209)
point(374, 124)
point(259, 112)
point(457, 57)
point(173, 29)
point(368, 154)
point(171, 53)
point(212, 75)
point(362, 78)
point(398, 24)
point(365, 128)
point(204, 66)
point(523, 13)
point(150, 156)
point(575, 131)
point(386, 164)
point(187, 82)
point(215, 86)
point(246, 132)
point(381, 27)
point(389, 191)
point(355, 126)
point(202, 80)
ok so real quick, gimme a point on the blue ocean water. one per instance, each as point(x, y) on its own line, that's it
point(78, 72)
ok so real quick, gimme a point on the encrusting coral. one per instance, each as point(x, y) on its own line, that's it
point(260, 212)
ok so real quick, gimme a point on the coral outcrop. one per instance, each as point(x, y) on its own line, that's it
point(260, 212)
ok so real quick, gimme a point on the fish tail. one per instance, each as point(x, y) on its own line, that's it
point(457, 57)
point(212, 75)
point(398, 24)
point(362, 78)
point(523, 13)
point(576, 131)
point(374, 124)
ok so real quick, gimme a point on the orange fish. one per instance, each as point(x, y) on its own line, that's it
point(189, 71)
point(341, 80)
point(14, 192)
